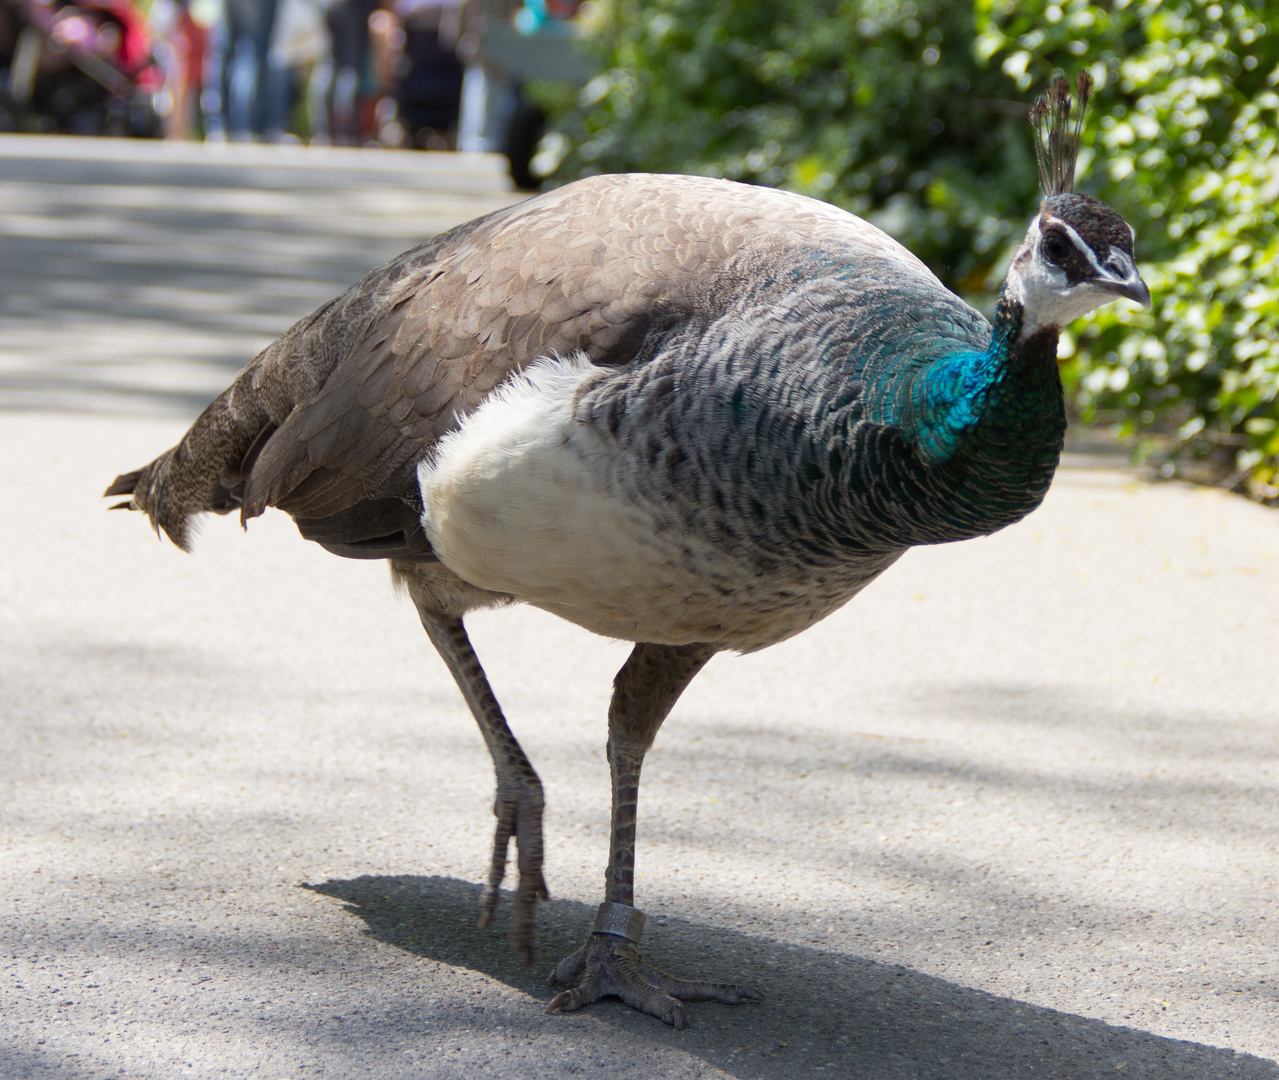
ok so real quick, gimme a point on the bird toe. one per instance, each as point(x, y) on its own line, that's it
point(518, 810)
point(610, 966)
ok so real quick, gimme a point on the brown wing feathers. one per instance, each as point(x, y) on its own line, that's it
point(330, 422)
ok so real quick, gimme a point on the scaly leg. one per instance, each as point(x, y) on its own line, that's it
point(644, 693)
point(518, 803)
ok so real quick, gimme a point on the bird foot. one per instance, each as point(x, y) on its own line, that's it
point(610, 964)
point(518, 809)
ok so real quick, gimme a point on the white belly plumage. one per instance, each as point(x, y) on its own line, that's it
point(524, 500)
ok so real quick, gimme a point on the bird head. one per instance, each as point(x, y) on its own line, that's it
point(1077, 255)
point(1078, 252)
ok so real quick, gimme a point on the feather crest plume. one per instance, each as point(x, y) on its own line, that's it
point(1058, 122)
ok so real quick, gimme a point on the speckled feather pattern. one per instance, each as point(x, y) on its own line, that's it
point(775, 378)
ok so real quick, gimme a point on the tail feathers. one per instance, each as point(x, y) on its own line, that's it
point(152, 493)
point(209, 471)
point(123, 485)
point(204, 473)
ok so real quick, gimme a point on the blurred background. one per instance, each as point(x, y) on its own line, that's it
point(392, 74)
point(911, 114)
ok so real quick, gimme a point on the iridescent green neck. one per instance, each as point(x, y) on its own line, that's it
point(1011, 384)
point(948, 446)
point(1025, 403)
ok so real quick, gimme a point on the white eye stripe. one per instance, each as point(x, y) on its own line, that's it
point(1118, 264)
point(1082, 247)
point(1044, 290)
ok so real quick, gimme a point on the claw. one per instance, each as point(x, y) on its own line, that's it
point(488, 904)
point(519, 817)
point(519, 801)
point(609, 965)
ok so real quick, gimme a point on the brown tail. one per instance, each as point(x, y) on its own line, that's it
point(205, 472)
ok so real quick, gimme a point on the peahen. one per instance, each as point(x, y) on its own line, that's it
point(692, 414)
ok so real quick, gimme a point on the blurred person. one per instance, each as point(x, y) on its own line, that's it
point(244, 93)
point(429, 94)
point(318, 85)
point(388, 64)
point(497, 115)
point(348, 26)
point(488, 94)
point(299, 45)
point(179, 42)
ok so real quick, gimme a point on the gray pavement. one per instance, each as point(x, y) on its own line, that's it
point(1013, 813)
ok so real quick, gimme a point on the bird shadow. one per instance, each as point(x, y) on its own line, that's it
point(827, 1014)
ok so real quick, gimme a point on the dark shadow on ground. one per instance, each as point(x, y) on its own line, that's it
point(33, 1065)
point(826, 1014)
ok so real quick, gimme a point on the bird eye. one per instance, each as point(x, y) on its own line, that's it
point(1055, 249)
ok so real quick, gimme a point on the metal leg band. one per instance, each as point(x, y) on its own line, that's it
point(620, 920)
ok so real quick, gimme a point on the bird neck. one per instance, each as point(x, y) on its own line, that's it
point(1024, 408)
point(959, 445)
point(951, 400)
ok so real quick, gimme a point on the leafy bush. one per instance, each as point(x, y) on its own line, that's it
point(912, 115)
point(1185, 148)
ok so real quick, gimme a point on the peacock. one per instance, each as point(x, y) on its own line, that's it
point(688, 413)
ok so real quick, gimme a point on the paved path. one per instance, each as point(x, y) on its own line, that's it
point(1012, 814)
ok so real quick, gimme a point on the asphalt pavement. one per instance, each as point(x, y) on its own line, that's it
point(1013, 813)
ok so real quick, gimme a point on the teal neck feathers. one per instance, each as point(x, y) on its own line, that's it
point(960, 401)
point(978, 437)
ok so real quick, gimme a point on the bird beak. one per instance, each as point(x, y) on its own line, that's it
point(1127, 282)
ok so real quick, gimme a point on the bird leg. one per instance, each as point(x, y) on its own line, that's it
point(518, 803)
point(644, 693)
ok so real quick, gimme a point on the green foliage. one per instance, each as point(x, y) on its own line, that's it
point(871, 104)
point(912, 114)
point(1185, 147)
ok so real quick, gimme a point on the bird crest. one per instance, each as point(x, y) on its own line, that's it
point(1058, 122)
